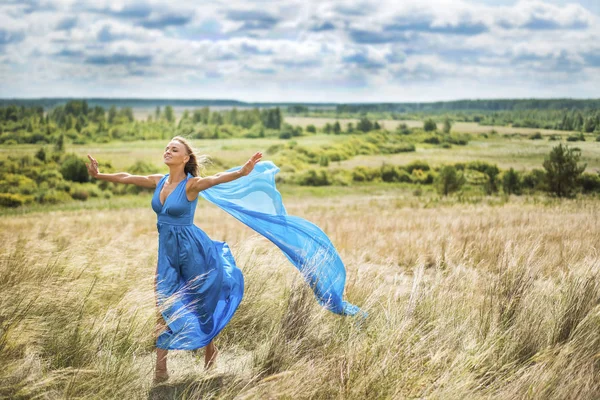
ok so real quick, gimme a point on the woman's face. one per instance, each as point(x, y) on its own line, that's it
point(175, 153)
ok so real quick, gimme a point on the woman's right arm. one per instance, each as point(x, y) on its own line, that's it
point(149, 181)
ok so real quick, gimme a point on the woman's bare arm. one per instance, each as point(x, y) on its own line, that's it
point(201, 183)
point(149, 181)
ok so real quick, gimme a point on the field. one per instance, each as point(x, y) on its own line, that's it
point(467, 297)
point(463, 127)
point(464, 301)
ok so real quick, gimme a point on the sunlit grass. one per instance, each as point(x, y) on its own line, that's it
point(464, 300)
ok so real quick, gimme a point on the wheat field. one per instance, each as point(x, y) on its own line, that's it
point(472, 301)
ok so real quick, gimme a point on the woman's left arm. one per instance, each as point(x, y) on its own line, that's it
point(202, 183)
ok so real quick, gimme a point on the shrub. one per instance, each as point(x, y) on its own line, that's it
point(432, 140)
point(589, 182)
point(534, 179)
point(52, 196)
point(80, 194)
point(429, 125)
point(579, 137)
point(511, 182)
point(536, 136)
point(13, 200)
point(389, 173)
point(417, 164)
point(422, 177)
point(314, 177)
point(311, 129)
point(562, 170)
point(365, 174)
point(73, 169)
point(142, 168)
point(449, 180)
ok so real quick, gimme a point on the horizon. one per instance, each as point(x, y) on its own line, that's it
point(67, 98)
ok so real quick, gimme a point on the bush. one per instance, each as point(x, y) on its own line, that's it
point(589, 183)
point(417, 164)
point(579, 137)
point(13, 200)
point(534, 179)
point(365, 174)
point(390, 173)
point(511, 182)
point(73, 169)
point(80, 194)
point(449, 180)
point(422, 177)
point(142, 168)
point(562, 170)
point(432, 140)
point(536, 136)
point(52, 196)
point(429, 125)
point(311, 129)
point(314, 177)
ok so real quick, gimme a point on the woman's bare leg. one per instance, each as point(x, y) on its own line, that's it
point(210, 355)
point(160, 372)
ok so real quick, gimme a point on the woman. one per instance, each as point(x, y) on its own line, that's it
point(198, 284)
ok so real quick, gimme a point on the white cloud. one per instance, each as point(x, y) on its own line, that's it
point(338, 48)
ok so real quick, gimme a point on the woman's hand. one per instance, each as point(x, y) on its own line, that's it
point(92, 167)
point(249, 166)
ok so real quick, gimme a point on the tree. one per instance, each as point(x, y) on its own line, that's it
point(448, 180)
point(73, 169)
point(447, 125)
point(311, 129)
point(60, 143)
point(429, 125)
point(328, 128)
point(511, 182)
point(364, 125)
point(562, 170)
point(112, 113)
point(157, 113)
point(337, 129)
point(350, 127)
point(169, 115)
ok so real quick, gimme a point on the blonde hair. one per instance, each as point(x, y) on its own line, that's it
point(197, 162)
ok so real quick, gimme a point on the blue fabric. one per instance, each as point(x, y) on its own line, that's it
point(255, 201)
point(199, 286)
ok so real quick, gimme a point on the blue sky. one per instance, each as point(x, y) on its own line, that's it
point(317, 51)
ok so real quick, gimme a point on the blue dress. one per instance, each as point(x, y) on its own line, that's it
point(198, 285)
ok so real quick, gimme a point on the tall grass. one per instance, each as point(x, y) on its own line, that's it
point(464, 301)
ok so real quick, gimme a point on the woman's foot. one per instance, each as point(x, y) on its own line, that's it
point(160, 376)
point(210, 355)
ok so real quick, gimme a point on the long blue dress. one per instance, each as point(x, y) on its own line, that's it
point(199, 286)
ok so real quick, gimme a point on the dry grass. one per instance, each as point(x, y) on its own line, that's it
point(464, 301)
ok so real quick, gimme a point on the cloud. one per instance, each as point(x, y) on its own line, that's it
point(303, 46)
point(428, 25)
point(363, 61)
point(160, 21)
point(67, 23)
point(123, 59)
point(252, 19)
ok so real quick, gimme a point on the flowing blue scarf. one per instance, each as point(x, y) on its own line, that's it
point(254, 200)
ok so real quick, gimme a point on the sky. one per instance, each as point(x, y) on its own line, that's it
point(301, 50)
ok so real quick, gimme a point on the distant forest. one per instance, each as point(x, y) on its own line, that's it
point(352, 108)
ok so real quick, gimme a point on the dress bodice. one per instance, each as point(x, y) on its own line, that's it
point(177, 209)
